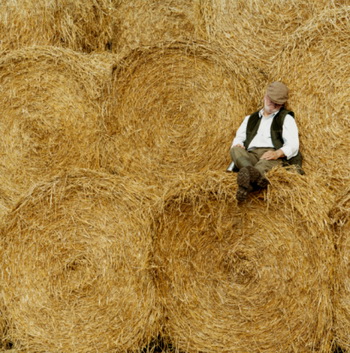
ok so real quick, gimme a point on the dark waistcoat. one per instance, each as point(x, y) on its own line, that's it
point(276, 135)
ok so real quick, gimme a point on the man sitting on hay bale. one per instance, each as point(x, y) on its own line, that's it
point(265, 139)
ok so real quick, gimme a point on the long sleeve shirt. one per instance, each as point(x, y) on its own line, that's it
point(290, 134)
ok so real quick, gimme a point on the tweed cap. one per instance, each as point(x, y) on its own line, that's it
point(277, 92)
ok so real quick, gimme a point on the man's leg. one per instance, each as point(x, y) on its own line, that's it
point(244, 160)
point(263, 166)
point(252, 169)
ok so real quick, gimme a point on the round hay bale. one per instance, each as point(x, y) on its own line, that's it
point(175, 107)
point(76, 274)
point(340, 216)
point(141, 23)
point(260, 28)
point(50, 114)
point(84, 25)
point(314, 65)
point(249, 278)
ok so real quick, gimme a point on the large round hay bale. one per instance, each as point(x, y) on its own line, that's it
point(140, 23)
point(84, 25)
point(258, 29)
point(249, 278)
point(175, 107)
point(340, 216)
point(314, 65)
point(75, 266)
point(50, 114)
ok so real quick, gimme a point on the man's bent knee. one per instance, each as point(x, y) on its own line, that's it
point(240, 156)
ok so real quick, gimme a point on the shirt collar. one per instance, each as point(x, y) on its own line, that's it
point(261, 113)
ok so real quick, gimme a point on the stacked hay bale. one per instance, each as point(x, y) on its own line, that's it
point(49, 102)
point(174, 107)
point(315, 66)
point(75, 266)
point(258, 30)
point(139, 23)
point(254, 278)
point(84, 25)
point(340, 215)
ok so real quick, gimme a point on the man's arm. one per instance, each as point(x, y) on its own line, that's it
point(241, 134)
point(273, 155)
point(290, 137)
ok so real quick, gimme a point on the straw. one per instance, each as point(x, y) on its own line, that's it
point(314, 65)
point(76, 273)
point(245, 278)
point(340, 215)
point(174, 107)
point(50, 109)
point(82, 25)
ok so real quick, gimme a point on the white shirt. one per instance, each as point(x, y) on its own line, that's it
point(290, 134)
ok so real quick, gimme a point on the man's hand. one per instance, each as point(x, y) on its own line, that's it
point(241, 146)
point(272, 155)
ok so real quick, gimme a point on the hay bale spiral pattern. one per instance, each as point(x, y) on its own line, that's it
point(239, 279)
point(173, 107)
point(77, 256)
point(49, 100)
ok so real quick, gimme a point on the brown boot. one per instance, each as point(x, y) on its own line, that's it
point(242, 193)
point(244, 187)
point(254, 174)
point(262, 182)
point(256, 179)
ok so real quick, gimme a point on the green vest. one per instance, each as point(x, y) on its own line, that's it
point(276, 135)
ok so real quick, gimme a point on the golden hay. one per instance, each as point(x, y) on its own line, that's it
point(316, 67)
point(75, 264)
point(141, 23)
point(340, 215)
point(250, 278)
point(174, 107)
point(83, 25)
point(49, 101)
point(258, 29)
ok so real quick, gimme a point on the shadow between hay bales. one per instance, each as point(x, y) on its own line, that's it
point(75, 266)
point(254, 277)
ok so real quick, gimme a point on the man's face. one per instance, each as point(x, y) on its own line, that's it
point(269, 106)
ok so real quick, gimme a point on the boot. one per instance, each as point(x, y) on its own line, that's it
point(256, 179)
point(244, 187)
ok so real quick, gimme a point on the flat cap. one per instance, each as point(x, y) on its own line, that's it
point(277, 92)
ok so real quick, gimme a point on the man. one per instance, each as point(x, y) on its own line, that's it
point(265, 139)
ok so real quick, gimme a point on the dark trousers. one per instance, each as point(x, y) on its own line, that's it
point(243, 158)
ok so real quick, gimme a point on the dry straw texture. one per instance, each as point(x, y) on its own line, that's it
point(77, 256)
point(83, 25)
point(141, 23)
point(174, 107)
point(79, 253)
point(49, 101)
point(340, 216)
point(258, 29)
point(315, 64)
point(250, 278)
